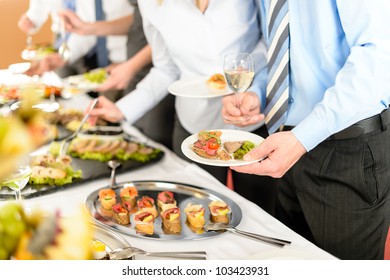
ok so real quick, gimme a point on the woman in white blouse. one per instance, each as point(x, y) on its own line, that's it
point(190, 39)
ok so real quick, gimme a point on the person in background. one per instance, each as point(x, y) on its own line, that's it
point(189, 39)
point(331, 149)
point(83, 51)
point(157, 124)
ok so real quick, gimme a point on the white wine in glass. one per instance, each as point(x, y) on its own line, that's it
point(239, 72)
point(18, 180)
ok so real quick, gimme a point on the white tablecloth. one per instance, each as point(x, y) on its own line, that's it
point(172, 168)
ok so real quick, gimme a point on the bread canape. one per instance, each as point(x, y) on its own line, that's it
point(146, 203)
point(170, 216)
point(121, 214)
point(216, 82)
point(107, 198)
point(195, 215)
point(209, 145)
point(129, 194)
point(144, 222)
point(165, 197)
point(219, 212)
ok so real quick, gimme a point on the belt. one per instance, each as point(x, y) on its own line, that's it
point(365, 126)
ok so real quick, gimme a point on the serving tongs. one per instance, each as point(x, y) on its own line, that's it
point(266, 239)
point(66, 142)
point(129, 252)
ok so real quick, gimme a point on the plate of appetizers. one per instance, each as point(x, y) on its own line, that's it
point(220, 147)
point(88, 81)
point(200, 87)
point(161, 210)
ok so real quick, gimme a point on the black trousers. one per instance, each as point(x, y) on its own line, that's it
point(261, 190)
point(338, 196)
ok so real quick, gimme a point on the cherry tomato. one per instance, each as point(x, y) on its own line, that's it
point(212, 144)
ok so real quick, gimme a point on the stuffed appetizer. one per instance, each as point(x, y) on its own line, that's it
point(146, 203)
point(219, 212)
point(144, 222)
point(195, 215)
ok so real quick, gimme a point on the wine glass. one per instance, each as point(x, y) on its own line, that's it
point(239, 72)
point(18, 180)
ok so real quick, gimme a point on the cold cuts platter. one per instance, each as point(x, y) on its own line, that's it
point(193, 207)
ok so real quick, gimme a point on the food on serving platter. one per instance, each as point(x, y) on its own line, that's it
point(165, 197)
point(170, 216)
point(98, 250)
point(217, 82)
point(209, 145)
point(107, 198)
point(105, 150)
point(195, 215)
point(129, 195)
point(146, 203)
point(64, 116)
point(97, 76)
point(52, 170)
point(238, 148)
point(144, 222)
point(8, 93)
point(121, 213)
point(219, 211)
point(34, 234)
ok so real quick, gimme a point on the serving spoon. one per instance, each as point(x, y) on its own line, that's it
point(113, 164)
point(270, 240)
point(64, 50)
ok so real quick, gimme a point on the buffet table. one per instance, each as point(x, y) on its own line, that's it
point(226, 246)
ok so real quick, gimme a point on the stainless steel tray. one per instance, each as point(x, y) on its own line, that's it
point(183, 193)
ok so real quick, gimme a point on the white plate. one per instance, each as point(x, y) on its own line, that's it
point(196, 88)
point(80, 83)
point(19, 68)
point(227, 135)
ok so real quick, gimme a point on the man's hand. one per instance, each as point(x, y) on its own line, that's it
point(105, 109)
point(74, 24)
point(282, 150)
point(241, 110)
point(120, 76)
point(49, 63)
point(25, 24)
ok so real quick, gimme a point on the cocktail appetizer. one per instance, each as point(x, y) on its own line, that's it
point(146, 203)
point(107, 198)
point(219, 212)
point(144, 222)
point(165, 197)
point(121, 214)
point(129, 194)
point(170, 216)
point(195, 215)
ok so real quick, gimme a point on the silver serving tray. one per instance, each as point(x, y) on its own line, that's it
point(183, 193)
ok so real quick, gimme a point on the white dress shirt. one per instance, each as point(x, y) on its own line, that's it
point(187, 43)
point(80, 45)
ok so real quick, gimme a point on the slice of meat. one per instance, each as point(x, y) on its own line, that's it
point(131, 148)
point(203, 153)
point(145, 150)
point(232, 146)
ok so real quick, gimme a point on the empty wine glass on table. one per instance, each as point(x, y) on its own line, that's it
point(239, 71)
point(18, 180)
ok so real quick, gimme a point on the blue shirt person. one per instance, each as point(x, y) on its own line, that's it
point(333, 160)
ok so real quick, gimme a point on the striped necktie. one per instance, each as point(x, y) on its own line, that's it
point(278, 65)
point(101, 48)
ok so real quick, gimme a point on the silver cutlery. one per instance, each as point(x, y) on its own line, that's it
point(64, 50)
point(270, 240)
point(65, 143)
point(113, 164)
point(129, 252)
